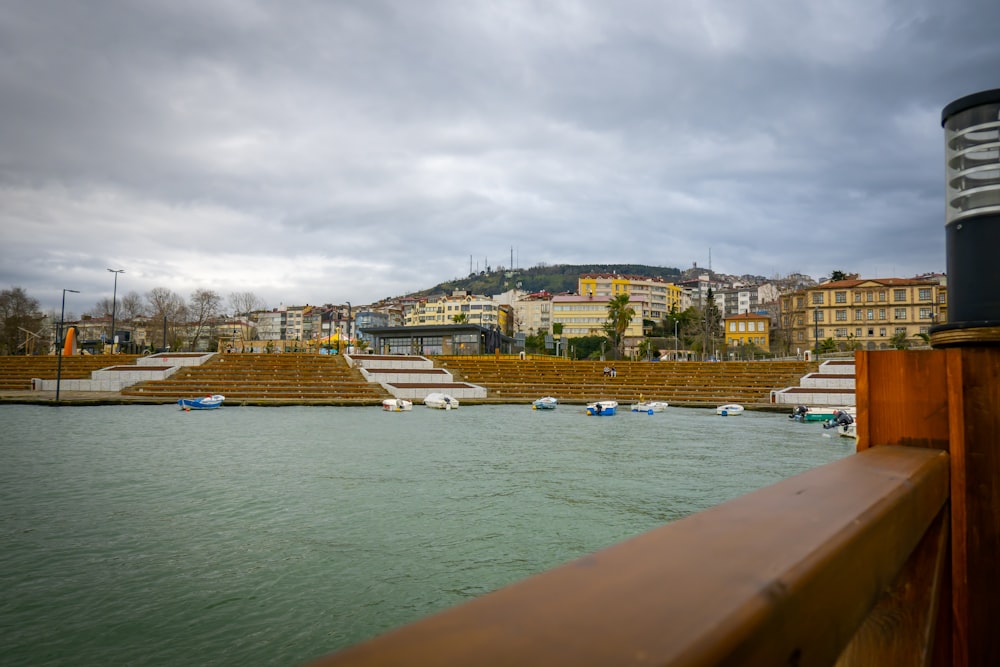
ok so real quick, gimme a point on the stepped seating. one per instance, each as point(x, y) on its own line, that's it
point(286, 377)
point(679, 383)
point(16, 372)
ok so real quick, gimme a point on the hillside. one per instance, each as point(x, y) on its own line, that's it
point(557, 278)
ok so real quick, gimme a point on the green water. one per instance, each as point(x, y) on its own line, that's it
point(147, 535)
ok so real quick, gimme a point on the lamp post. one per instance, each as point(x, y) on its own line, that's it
point(816, 331)
point(675, 340)
point(59, 350)
point(114, 306)
point(350, 326)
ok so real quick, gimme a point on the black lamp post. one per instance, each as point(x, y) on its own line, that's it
point(59, 351)
point(816, 330)
point(114, 306)
point(350, 326)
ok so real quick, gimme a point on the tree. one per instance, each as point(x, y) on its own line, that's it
point(204, 308)
point(899, 342)
point(620, 315)
point(712, 323)
point(837, 275)
point(20, 321)
point(169, 308)
point(460, 318)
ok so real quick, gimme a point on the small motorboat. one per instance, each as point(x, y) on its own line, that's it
point(649, 407)
point(602, 408)
point(802, 413)
point(729, 409)
point(209, 402)
point(545, 403)
point(397, 405)
point(844, 422)
point(440, 401)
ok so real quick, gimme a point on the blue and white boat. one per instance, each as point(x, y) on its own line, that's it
point(729, 409)
point(602, 408)
point(545, 403)
point(209, 402)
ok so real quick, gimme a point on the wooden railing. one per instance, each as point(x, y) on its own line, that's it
point(887, 557)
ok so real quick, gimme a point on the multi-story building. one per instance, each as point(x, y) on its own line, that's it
point(476, 309)
point(746, 329)
point(863, 313)
point(533, 313)
point(657, 295)
point(582, 315)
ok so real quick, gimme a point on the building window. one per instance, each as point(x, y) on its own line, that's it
point(840, 297)
point(841, 333)
point(925, 313)
point(859, 314)
point(881, 332)
point(857, 332)
point(900, 314)
point(871, 332)
point(857, 297)
point(869, 295)
point(924, 294)
point(899, 295)
point(881, 313)
point(900, 330)
point(817, 297)
point(841, 315)
point(881, 295)
point(871, 314)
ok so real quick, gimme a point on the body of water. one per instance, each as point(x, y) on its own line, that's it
point(148, 535)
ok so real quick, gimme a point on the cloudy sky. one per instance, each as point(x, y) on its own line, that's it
point(350, 150)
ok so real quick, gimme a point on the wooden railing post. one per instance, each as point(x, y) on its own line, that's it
point(949, 399)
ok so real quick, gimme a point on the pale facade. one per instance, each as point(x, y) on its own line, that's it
point(586, 316)
point(533, 313)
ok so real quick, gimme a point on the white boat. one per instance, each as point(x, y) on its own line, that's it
point(649, 407)
point(602, 408)
point(397, 405)
point(440, 401)
point(545, 403)
point(845, 423)
point(729, 409)
point(848, 430)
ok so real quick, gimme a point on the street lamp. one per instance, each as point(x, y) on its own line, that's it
point(350, 326)
point(114, 306)
point(816, 330)
point(59, 351)
point(675, 340)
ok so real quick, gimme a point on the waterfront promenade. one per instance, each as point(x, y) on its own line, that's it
point(309, 379)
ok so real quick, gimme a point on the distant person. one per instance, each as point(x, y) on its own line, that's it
point(614, 372)
point(607, 371)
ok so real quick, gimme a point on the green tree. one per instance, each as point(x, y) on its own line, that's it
point(837, 275)
point(826, 346)
point(460, 318)
point(620, 315)
point(899, 342)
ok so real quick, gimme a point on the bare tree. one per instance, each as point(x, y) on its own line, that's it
point(20, 321)
point(244, 303)
point(166, 306)
point(203, 308)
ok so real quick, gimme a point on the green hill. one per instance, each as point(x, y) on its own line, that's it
point(557, 278)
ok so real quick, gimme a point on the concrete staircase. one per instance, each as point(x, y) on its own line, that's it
point(412, 377)
point(832, 385)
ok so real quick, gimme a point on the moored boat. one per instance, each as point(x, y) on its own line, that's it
point(649, 407)
point(545, 403)
point(397, 405)
point(602, 408)
point(440, 401)
point(729, 409)
point(209, 402)
point(802, 413)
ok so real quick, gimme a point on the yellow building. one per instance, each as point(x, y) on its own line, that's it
point(747, 329)
point(586, 316)
point(656, 295)
point(863, 313)
point(459, 306)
